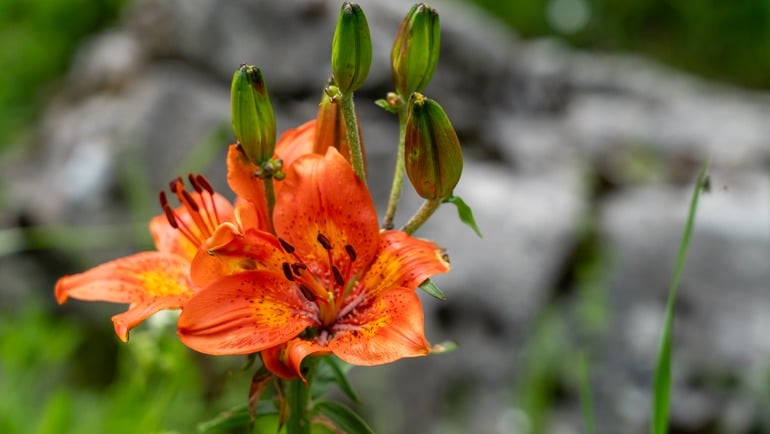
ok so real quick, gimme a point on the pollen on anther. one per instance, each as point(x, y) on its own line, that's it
point(189, 198)
point(307, 293)
point(325, 243)
point(287, 271)
point(288, 248)
point(204, 183)
point(194, 183)
point(351, 252)
point(337, 276)
point(170, 216)
point(297, 268)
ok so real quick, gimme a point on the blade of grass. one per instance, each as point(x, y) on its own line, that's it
point(586, 402)
point(662, 386)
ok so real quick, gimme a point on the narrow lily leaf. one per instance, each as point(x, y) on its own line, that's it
point(343, 417)
point(586, 403)
point(236, 417)
point(431, 289)
point(339, 370)
point(662, 388)
point(464, 212)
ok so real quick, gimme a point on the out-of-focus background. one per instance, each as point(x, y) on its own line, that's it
point(584, 123)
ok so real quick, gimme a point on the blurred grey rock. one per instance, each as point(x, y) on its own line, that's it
point(555, 140)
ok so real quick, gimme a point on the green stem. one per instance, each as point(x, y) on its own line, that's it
point(298, 397)
point(270, 198)
point(354, 140)
point(398, 173)
point(422, 215)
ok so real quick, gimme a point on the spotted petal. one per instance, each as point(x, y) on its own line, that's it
point(244, 313)
point(322, 195)
point(148, 281)
point(389, 328)
point(403, 262)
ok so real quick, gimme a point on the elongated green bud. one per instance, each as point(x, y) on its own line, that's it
point(415, 51)
point(253, 117)
point(434, 160)
point(351, 48)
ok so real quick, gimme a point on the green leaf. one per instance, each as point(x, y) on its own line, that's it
point(464, 212)
point(662, 386)
point(383, 104)
point(339, 370)
point(343, 417)
point(236, 417)
point(431, 289)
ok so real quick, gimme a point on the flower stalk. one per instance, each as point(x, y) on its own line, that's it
point(421, 216)
point(354, 139)
point(398, 172)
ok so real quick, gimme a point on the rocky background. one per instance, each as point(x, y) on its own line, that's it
point(579, 167)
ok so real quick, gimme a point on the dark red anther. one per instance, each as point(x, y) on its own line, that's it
point(194, 183)
point(338, 276)
point(174, 185)
point(288, 248)
point(287, 271)
point(351, 252)
point(297, 268)
point(170, 216)
point(163, 200)
point(204, 183)
point(307, 292)
point(190, 200)
point(325, 243)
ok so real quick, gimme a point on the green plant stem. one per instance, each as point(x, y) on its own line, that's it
point(298, 397)
point(270, 198)
point(398, 173)
point(422, 215)
point(354, 140)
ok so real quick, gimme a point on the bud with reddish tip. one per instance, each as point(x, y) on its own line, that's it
point(415, 51)
point(351, 48)
point(331, 130)
point(434, 160)
point(252, 113)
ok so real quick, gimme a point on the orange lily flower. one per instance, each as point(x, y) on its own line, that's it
point(154, 280)
point(329, 282)
point(157, 280)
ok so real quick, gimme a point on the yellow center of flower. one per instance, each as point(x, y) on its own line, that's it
point(161, 283)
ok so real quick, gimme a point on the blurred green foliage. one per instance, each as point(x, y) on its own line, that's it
point(37, 39)
point(723, 40)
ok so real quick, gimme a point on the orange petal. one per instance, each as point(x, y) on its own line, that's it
point(142, 278)
point(322, 195)
point(135, 314)
point(403, 261)
point(284, 360)
point(244, 313)
point(389, 328)
point(295, 143)
point(241, 176)
point(170, 240)
point(254, 250)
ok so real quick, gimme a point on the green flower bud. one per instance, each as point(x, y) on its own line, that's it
point(253, 117)
point(351, 48)
point(434, 160)
point(415, 51)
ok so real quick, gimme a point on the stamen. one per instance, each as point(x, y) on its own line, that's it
point(306, 292)
point(351, 252)
point(297, 267)
point(204, 183)
point(287, 271)
point(194, 183)
point(338, 276)
point(170, 216)
point(190, 201)
point(288, 248)
point(325, 243)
